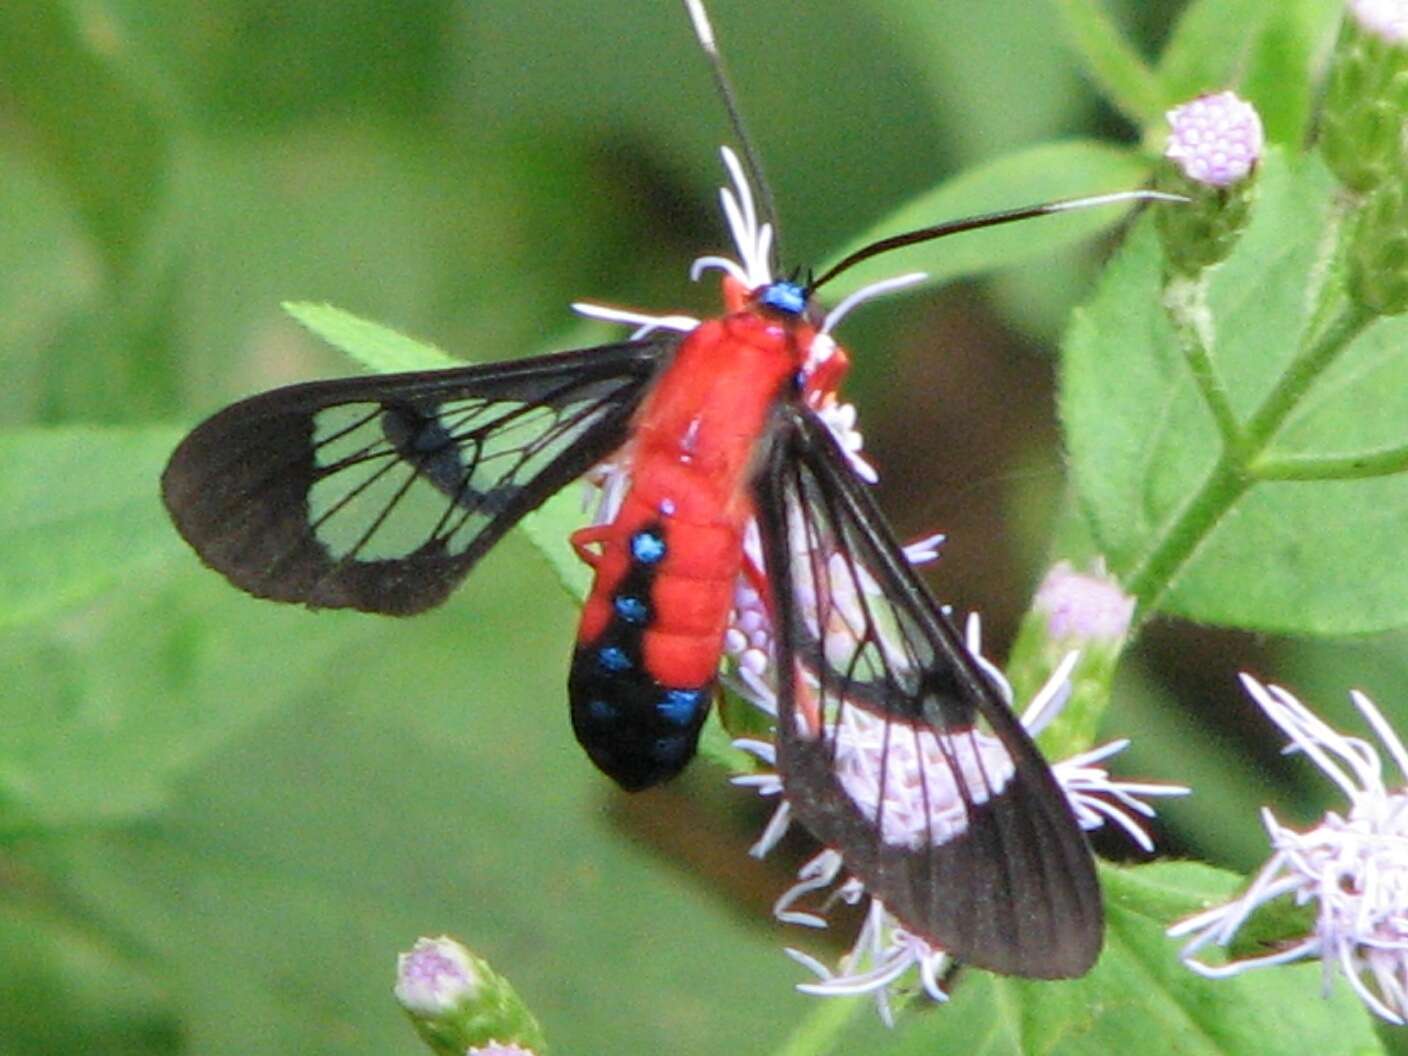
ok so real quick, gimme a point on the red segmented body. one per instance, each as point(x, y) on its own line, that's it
point(694, 445)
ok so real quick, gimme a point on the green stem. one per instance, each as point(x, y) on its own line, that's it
point(1150, 579)
point(1233, 474)
point(1359, 466)
point(1186, 303)
point(1348, 323)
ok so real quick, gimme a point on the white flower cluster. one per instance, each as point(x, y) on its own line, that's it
point(885, 951)
point(1387, 18)
point(1353, 867)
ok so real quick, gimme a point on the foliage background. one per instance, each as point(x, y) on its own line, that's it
point(220, 819)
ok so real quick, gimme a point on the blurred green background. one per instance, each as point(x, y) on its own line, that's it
point(220, 818)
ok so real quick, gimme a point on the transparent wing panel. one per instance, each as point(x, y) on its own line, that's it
point(379, 493)
point(897, 746)
point(392, 478)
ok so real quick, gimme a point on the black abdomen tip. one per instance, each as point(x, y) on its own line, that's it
point(638, 732)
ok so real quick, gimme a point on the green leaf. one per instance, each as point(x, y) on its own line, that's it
point(883, 133)
point(1140, 998)
point(1209, 44)
point(1267, 51)
point(414, 777)
point(1282, 69)
point(110, 707)
point(46, 276)
point(962, 56)
point(1121, 73)
point(382, 349)
point(549, 527)
point(376, 347)
point(405, 227)
point(1303, 557)
point(67, 991)
point(79, 513)
point(385, 350)
point(1037, 174)
point(65, 77)
point(1219, 821)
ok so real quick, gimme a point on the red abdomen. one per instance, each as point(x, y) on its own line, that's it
point(653, 626)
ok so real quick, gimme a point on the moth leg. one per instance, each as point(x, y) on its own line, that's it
point(583, 539)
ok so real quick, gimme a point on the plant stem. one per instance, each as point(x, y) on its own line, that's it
point(1151, 578)
point(1233, 473)
point(1185, 300)
point(1348, 323)
point(1361, 465)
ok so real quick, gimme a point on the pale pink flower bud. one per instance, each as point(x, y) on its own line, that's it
point(1216, 139)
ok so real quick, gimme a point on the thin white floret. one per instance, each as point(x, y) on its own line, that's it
point(644, 323)
point(885, 950)
point(1352, 867)
point(868, 293)
point(752, 240)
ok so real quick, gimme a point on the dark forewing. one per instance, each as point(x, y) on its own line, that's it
point(380, 492)
point(896, 748)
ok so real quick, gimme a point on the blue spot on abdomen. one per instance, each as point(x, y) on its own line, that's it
point(602, 710)
point(647, 547)
point(613, 659)
point(631, 609)
point(680, 707)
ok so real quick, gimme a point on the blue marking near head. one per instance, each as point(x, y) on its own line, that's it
point(680, 706)
point(602, 710)
point(630, 608)
point(613, 659)
point(670, 748)
point(647, 547)
point(784, 296)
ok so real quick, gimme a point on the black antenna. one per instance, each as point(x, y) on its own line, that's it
point(751, 162)
point(1007, 216)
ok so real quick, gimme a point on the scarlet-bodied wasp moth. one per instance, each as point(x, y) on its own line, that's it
point(381, 493)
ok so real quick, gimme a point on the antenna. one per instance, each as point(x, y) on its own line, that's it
point(705, 32)
point(1007, 216)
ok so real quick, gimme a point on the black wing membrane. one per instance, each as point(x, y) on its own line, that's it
point(896, 747)
point(379, 493)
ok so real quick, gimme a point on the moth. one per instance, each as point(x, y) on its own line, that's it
point(726, 464)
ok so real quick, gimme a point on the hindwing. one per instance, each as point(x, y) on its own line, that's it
point(896, 747)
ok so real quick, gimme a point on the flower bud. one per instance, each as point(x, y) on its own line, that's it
point(1376, 266)
point(1366, 97)
point(1084, 612)
point(457, 1003)
point(1083, 609)
point(1214, 143)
